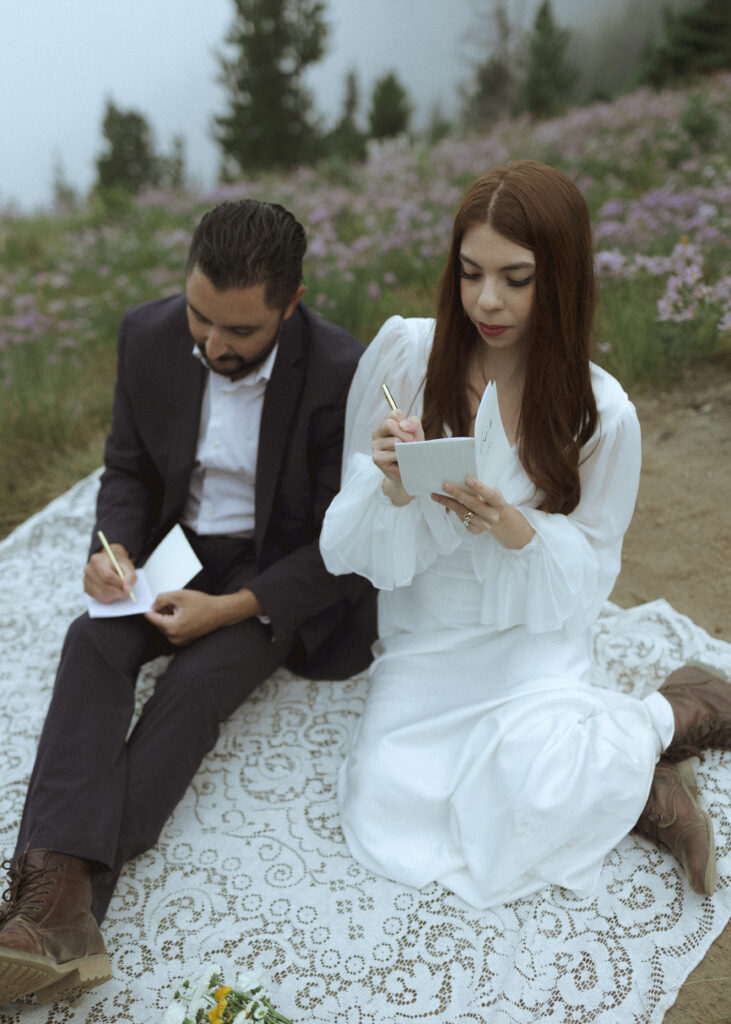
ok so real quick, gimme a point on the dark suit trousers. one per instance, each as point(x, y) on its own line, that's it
point(102, 795)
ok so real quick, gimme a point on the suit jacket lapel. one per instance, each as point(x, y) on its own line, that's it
point(280, 406)
point(190, 379)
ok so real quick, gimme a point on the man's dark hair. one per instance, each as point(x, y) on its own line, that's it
point(240, 244)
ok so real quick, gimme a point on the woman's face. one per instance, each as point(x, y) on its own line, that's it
point(497, 285)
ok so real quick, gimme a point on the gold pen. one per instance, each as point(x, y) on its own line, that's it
point(114, 561)
point(389, 397)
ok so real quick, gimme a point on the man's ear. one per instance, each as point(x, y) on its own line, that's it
point(297, 296)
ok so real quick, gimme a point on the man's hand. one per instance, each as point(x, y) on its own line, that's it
point(185, 615)
point(101, 579)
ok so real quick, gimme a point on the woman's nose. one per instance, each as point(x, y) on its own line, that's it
point(490, 296)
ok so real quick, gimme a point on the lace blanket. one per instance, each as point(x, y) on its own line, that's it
point(252, 870)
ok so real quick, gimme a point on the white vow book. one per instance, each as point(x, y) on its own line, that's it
point(170, 566)
point(426, 465)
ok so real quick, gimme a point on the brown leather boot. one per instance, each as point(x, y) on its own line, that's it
point(49, 942)
point(673, 819)
point(701, 704)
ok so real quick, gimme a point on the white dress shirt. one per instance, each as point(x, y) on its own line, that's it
point(221, 495)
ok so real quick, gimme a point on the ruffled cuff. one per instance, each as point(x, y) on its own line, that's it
point(365, 533)
point(552, 580)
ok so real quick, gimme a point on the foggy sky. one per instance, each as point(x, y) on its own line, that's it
point(62, 59)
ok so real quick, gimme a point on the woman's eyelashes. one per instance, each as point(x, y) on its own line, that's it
point(511, 282)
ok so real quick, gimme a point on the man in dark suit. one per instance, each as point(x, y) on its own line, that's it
point(228, 419)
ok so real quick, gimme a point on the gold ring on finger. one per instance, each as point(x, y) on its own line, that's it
point(467, 518)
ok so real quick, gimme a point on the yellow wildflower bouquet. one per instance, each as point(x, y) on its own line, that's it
point(210, 1001)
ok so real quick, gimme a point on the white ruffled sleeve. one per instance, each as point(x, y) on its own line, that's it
point(363, 531)
point(567, 571)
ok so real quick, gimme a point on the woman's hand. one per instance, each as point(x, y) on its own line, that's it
point(483, 509)
point(392, 428)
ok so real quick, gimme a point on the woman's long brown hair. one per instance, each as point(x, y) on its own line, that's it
point(540, 209)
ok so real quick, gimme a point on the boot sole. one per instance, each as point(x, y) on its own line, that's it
point(687, 777)
point(709, 880)
point(22, 974)
point(710, 876)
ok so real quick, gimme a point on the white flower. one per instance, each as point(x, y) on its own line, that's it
point(175, 1014)
point(251, 980)
point(201, 1002)
point(208, 972)
point(204, 985)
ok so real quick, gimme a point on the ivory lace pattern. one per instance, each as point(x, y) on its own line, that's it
point(252, 870)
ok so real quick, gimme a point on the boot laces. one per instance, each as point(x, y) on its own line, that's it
point(27, 890)
point(653, 820)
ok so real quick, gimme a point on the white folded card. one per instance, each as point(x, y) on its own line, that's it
point(426, 465)
point(171, 565)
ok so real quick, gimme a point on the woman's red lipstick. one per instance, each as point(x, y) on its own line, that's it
point(492, 330)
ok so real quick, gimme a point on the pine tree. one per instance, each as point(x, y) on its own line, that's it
point(491, 93)
point(549, 77)
point(64, 194)
point(346, 140)
point(269, 119)
point(390, 109)
point(130, 162)
point(697, 41)
point(172, 167)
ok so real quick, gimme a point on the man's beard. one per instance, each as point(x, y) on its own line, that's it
point(235, 367)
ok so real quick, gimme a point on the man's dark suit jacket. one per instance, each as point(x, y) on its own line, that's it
point(150, 453)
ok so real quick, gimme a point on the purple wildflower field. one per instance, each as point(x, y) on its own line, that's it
point(385, 225)
point(654, 167)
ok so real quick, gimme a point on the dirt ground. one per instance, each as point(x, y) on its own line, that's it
point(679, 543)
point(679, 547)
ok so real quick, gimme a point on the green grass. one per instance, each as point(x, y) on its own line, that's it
point(639, 350)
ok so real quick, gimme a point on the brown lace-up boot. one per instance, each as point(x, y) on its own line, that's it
point(701, 704)
point(49, 942)
point(673, 819)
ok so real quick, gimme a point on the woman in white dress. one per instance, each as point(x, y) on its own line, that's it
point(484, 758)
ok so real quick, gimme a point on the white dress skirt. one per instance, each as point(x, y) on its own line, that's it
point(484, 758)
